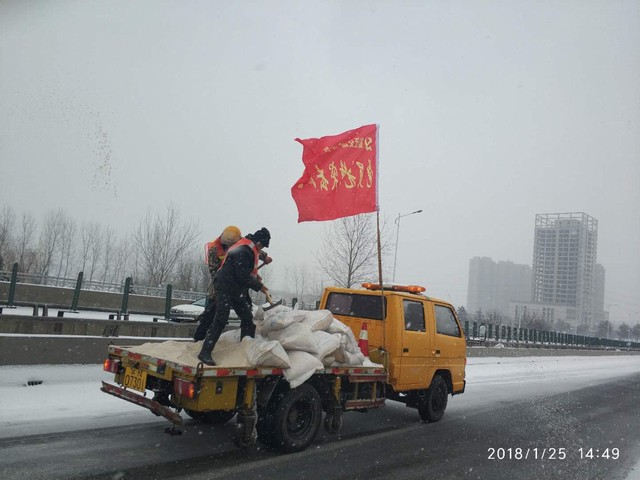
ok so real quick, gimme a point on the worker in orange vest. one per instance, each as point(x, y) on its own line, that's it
point(238, 272)
point(215, 251)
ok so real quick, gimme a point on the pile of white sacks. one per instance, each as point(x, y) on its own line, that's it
point(300, 342)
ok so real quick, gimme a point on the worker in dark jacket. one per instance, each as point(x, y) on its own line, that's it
point(215, 251)
point(239, 271)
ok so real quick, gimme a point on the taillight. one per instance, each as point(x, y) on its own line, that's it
point(111, 365)
point(184, 388)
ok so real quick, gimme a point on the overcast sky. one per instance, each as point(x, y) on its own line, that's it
point(489, 112)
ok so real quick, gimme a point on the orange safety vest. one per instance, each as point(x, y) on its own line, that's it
point(217, 244)
point(248, 243)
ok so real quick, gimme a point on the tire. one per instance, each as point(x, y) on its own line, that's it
point(217, 417)
point(431, 408)
point(292, 422)
point(333, 423)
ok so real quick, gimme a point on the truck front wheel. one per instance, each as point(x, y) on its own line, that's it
point(432, 406)
point(294, 420)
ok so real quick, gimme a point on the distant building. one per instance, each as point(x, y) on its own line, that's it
point(521, 312)
point(564, 264)
point(493, 285)
point(598, 293)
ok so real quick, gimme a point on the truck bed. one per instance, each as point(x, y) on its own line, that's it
point(193, 367)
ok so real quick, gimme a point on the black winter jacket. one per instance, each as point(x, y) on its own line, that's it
point(235, 273)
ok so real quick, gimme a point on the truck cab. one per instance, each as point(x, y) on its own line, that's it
point(417, 338)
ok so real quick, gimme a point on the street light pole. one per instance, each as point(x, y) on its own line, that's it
point(397, 222)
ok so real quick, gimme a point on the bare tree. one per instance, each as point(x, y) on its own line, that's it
point(604, 329)
point(299, 277)
point(7, 221)
point(96, 250)
point(66, 248)
point(121, 261)
point(50, 238)
point(635, 331)
point(349, 250)
point(496, 317)
point(89, 234)
point(25, 253)
point(161, 241)
point(623, 331)
point(109, 242)
point(187, 276)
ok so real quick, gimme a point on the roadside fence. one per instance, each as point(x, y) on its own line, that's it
point(482, 333)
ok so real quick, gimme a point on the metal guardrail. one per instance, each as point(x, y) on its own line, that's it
point(93, 285)
point(478, 333)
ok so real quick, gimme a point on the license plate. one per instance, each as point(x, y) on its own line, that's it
point(134, 378)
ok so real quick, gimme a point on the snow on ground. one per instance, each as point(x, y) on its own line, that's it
point(70, 398)
point(634, 474)
point(84, 314)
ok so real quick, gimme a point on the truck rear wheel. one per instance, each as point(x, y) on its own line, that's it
point(292, 422)
point(432, 406)
point(217, 417)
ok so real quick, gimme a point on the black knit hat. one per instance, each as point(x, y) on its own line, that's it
point(263, 236)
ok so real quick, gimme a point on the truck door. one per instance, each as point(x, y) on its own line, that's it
point(415, 358)
point(449, 346)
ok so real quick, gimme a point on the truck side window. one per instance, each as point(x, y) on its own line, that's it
point(413, 316)
point(446, 322)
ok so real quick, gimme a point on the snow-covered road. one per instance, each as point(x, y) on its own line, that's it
point(69, 399)
point(69, 396)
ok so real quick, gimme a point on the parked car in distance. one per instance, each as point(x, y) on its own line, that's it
point(187, 312)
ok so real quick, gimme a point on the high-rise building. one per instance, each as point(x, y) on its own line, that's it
point(598, 293)
point(493, 285)
point(564, 259)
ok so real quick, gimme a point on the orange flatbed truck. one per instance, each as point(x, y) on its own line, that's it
point(418, 341)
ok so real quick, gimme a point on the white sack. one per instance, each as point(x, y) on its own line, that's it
point(327, 343)
point(303, 366)
point(318, 319)
point(264, 353)
point(295, 337)
point(354, 359)
point(337, 327)
point(328, 361)
point(258, 316)
point(340, 355)
point(231, 355)
point(228, 338)
point(280, 320)
point(350, 342)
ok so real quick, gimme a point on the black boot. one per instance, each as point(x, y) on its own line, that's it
point(207, 346)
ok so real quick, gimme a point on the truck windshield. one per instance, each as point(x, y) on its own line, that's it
point(356, 305)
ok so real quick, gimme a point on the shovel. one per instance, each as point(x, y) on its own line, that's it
point(270, 303)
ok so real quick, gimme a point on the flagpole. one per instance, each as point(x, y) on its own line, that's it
point(381, 349)
point(379, 249)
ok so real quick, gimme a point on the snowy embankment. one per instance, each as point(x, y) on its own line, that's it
point(69, 397)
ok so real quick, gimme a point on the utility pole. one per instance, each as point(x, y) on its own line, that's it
point(397, 222)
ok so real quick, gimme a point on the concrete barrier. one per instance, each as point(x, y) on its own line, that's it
point(61, 350)
point(28, 350)
point(25, 325)
point(89, 299)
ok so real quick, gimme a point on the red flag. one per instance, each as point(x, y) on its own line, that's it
point(340, 177)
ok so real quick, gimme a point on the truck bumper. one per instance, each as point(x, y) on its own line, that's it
point(145, 402)
point(464, 385)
